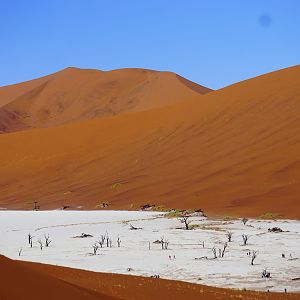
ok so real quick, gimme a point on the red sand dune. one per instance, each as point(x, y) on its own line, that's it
point(21, 282)
point(24, 280)
point(74, 94)
point(234, 151)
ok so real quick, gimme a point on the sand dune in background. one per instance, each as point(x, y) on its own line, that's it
point(74, 94)
point(235, 152)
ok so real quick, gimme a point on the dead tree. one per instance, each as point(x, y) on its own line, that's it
point(20, 251)
point(119, 242)
point(101, 243)
point(95, 248)
point(107, 241)
point(214, 250)
point(265, 274)
point(254, 255)
point(244, 220)
point(102, 240)
point(40, 243)
point(36, 206)
point(245, 238)
point(224, 248)
point(185, 220)
point(30, 239)
point(47, 240)
point(134, 228)
point(229, 236)
point(164, 243)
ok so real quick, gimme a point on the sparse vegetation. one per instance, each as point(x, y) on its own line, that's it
point(116, 185)
point(102, 205)
point(269, 216)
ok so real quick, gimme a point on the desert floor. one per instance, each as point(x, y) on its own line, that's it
point(185, 258)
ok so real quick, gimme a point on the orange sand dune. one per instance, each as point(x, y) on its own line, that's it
point(235, 152)
point(74, 94)
point(19, 281)
point(141, 288)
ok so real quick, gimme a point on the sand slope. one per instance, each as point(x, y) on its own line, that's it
point(75, 94)
point(20, 281)
point(235, 152)
point(141, 288)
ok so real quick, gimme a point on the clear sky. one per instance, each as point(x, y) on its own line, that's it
point(212, 42)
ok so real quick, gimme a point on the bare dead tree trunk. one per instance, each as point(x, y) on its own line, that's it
point(20, 251)
point(102, 241)
point(30, 239)
point(214, 250)
point(95, 248)
point(40, 243)
point(244, 220)
point(224, 248)
point(162, 241)
point(119, 242)
point(47, 240)
point(36, 206)
point(254, 255)
point(229, 236)
point(185, 220)
point(265, 274)
point(245, 239)
point(166, 244)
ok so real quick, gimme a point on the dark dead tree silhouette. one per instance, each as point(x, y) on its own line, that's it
point(40, 243)
point(229, 236)
point(30, 239)
point(214, 250)
point(245, 239)
point(119, 242)
point(186, 221)
point(253, 256)
point(245, 220)
point(95, 248)
point(47, 240)
point(224, 248)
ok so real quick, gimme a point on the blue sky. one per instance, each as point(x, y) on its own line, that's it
point(212, 42)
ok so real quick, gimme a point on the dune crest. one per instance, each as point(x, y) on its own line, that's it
point(77, 94)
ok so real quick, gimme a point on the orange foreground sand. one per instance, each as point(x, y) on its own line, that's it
point(23, 280)
point(234, 151)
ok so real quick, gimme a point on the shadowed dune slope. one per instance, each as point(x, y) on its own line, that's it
point(235, 152)
point(19, 281)
point(74, 94)
point(141, 288)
